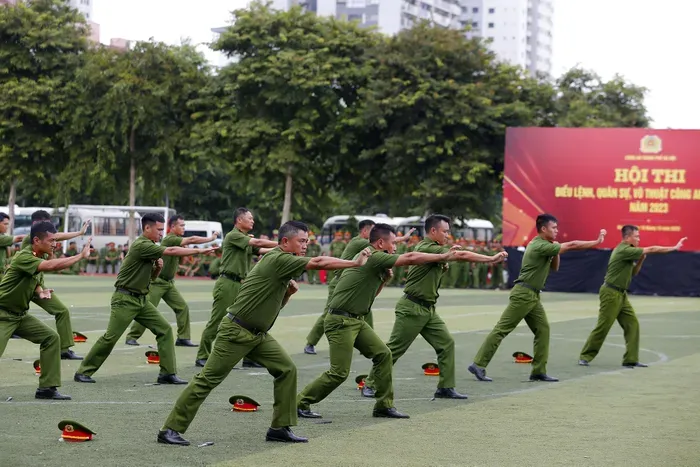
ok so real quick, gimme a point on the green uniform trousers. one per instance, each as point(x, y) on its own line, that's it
point(225, 293)
point(232, 344)
point(614, 305)
point(125, 309)
point(413, 319)
point(523, 304)
point(160, 288)
point(343, 334)
point(58, 310)
point(313, 276)
point(28, 327)
point(317, 330)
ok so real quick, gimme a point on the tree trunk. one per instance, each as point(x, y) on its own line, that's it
point(11, 205)
point(132, 185)
point(287, 206)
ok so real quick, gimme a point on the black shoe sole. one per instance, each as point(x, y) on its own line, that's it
point(162, 441)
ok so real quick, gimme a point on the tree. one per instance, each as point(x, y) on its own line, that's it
point(275, 120)
point(431, 123)
point(132, 120)
point(41, 48)
point(585, 100)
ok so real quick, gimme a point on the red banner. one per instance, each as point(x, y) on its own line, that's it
point(603, 178)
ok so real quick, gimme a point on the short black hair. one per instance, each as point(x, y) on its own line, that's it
point(291, 229)
point(151, 218)
point(628, 230)
point(434, 220)
point(174, 219)
point(380, 231)
point(239, 212)
point(543, 220)
point(3, 216)
point(41, 230)
point(365, 223)
point(40, 216)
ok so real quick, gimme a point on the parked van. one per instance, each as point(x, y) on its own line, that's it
point(203, 229)
point(106, 226)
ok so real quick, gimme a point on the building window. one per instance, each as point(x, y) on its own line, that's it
point(490, 25)
point(475, 10)
point(475, 24)
point(492, 11)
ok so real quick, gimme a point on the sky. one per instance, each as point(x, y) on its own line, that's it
point(648, 42)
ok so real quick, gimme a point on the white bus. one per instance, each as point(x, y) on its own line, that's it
point(471, 229)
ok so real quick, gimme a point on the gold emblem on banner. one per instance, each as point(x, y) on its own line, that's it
point(650, 144)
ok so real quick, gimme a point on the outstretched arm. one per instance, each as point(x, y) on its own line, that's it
point(404, 238)
point(581, 244)
point(409, 259)
point(179, 251)
point(261, 243)
point(330, 263)
point(478, 258)
point(65, 262)
point(60, 236)
point(18, 238)
point(199, 240)
point(664, 249)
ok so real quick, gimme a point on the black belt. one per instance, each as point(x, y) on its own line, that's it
point(335, 311)
point(528, 286)
point(231, 277)
point(245, 325)
point(614, 287)
point(423, 303)
point(129, 292)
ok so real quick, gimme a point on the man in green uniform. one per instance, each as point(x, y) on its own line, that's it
point(353, 247)
point(541, 255)
point(346, 328)
point(245, 331)
point(111, 259)
point(238, 250)
point(93, 261)
point(337, 245)
point(163, 287)
point(19, 285)
point(6, 241)
point(415, 311)
point(53, 305)
point(142, 264)
point(313, 250)
point(614, 303)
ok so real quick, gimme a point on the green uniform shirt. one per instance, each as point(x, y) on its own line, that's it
point(313, 250)
point(537, 262)
point(260, 298)
point(135, 273)
point(5, 242)
point(423, 280)
point(337, 247)
point(357, 287)
point(19, 282)
point(170, 263)
point(354, 246)
point(26, 242)
point(237, 256)
point(621, 265)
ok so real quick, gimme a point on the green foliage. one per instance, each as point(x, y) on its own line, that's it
point(358, 122)
point(132, 107)
point(41, 48)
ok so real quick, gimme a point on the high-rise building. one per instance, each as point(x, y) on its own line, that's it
point(519, 31)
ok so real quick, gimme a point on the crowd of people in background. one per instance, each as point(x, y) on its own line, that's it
point(461, 275)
